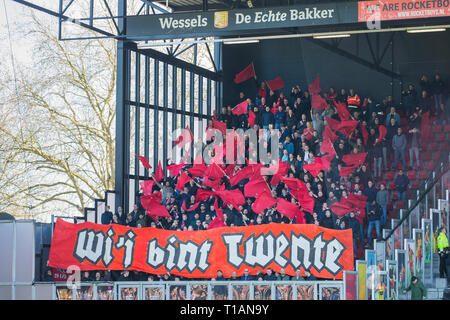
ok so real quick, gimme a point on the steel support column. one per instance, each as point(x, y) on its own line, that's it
point(121, 160)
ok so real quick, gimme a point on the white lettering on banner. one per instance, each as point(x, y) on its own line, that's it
point(94, 246)
point(187, 255)
point(241, 18)
point(309, 14)
point(258, 251)
point(171, 23)
point(265, 249)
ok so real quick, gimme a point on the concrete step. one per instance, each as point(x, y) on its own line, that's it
point(435, 294)
point(440, 283)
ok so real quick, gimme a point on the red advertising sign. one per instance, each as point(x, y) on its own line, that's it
point(200, 254)
point(401, 9)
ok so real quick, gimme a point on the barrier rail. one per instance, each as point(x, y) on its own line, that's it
point(190, 290)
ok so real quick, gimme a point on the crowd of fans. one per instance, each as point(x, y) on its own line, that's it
point(301, 129)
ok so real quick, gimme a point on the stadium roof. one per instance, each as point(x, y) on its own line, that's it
point(196, 5)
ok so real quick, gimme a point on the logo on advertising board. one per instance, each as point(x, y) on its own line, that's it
point(401, 9)
point(221, 19)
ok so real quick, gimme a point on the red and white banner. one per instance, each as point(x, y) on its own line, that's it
point(381, 10)
point(200, 254)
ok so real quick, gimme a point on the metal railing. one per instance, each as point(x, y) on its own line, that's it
point(428, 185)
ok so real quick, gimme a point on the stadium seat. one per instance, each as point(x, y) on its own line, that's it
point(436, 155)
point(389, 175)
point(391, 186)
point(447, 128)
point(429, 165)
point(426, 156)
point(394, 196)
point(423, 175)
point(390, 206)
point(409, 194)
point(400, 205)
point(414, 184)
point(440, 137)
point(434, 146)
point(412, 174)
point(437, 128)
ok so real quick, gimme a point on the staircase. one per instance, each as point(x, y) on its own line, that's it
point(94, 214)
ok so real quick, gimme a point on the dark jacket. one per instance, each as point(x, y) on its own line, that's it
point(401, 182)
point(267, 118)
point(107, 217)
point(374, 212)
point(327, 222)
point(370, 193)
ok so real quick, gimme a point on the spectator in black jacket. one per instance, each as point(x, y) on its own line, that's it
point(107, 216)
point(437, 89)
point(401, 184)
point(409, 99)
point(354, 224)
point(373, 216)
point(371, 193)
point(327, 221)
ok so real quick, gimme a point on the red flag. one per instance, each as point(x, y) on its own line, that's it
point(234, 197)
point(328, 134)
point(244, 173)
point(292, 183)
point(382, 129)
point(281, 169)
point(184, 138)
point(327, 147)
point(216, 223)
point(354, 158)
point(213, 184)
point(263, 201)
point(192, 208)
point(318, 103)
point(251, 118)
point(247, 73)
point(197, 170)
point(175, 169)
point(345, 171)
point(256, 187)
point(314, 168)
point(219, 212)
point(202, 195)
point(147, 186)
point(275, 84)
point(213, 172)
point(357, 201)
point(159, 174)
point(347, 127)
point(305, 200)
point(340, 209)
point(276, 178)
point(300, 218)
point(342, 111)
point(221, 126)
point(287, 209)
point(364, 132)
point(182, 180)
point(332, 123)
point(326, 161)
point(240, 108)
point(314, 88)
point(157, 210)
point(229, 170)
point(148, 200)
point(144, 162)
